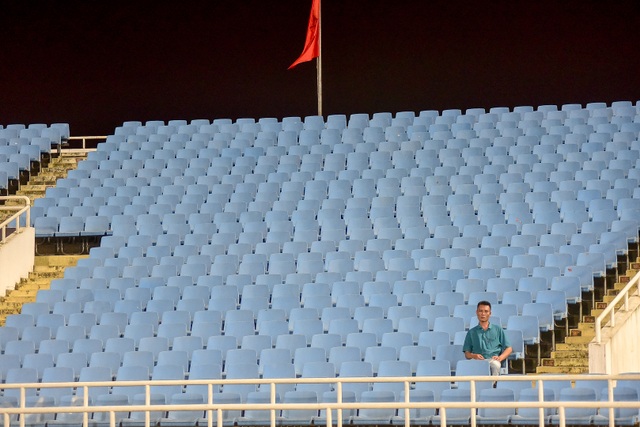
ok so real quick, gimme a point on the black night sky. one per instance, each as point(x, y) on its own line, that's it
point(96, 64)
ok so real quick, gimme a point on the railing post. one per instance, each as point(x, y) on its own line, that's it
point(561, 414)
point(272, 400)
point(85, 415)
point(210, 403)
point(610, 399)
point(339, 400)
point(626, 302)
point(541, 399)
point(407, 391)
point(472, 387)
point(23, 404)
point(147, 402)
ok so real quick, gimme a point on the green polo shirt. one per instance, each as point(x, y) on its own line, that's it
point(489, 343)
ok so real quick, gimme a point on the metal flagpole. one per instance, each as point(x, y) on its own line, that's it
point(319, 59)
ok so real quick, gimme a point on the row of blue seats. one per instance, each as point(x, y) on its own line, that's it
point(22, 145)
point(410, 200)
point(520, 115)
point(374, 187)
point(275, 363)
point(311, 140)
point(26, 332)
point(190, 354)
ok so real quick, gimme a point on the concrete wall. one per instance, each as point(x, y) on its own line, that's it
point(17, 255)
point(619, 349)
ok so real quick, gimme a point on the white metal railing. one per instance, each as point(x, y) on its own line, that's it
point(15, 218)
point(610, 310)
point(211, 407)
point(84, 139)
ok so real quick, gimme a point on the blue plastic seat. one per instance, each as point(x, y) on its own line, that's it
point(356, 368)
point(317, 369)
point(576, 415)
point(381, 415)
point(299, 416)
point(528, 415)
point(622, 416)
point(495, 415)
point(472, 368)
point(455, 416)
point(451, 353)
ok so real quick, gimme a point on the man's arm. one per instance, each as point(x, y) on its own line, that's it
point(507, 351)
point(504, 341)
point(475, 356)
point(503, 356)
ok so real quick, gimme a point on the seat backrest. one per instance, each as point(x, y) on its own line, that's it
point(472, 368)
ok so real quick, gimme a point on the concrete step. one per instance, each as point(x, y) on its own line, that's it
point(47, 271)
point(5, 216)
point(577, 362)
point(586, 326)
point(46, 268)
point(45, 275)
point(622, 282)
point(26, 285)
point(585, 339)
point(570, 354)
point(571, 347)
point(611, 294)
point(42, 283)
point(60, 261)
point(34, 188)
point(561, 370)
point(45, 180)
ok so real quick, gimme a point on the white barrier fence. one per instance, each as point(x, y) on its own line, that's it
point(215, 411)
point(620, 302)
point(84, 139)
point(13, 222)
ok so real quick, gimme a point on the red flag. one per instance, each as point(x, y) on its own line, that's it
point(312, 43)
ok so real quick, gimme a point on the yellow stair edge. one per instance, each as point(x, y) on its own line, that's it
point(561, 370)
point(59, 260)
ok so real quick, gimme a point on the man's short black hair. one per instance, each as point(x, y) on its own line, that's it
point(484, 303)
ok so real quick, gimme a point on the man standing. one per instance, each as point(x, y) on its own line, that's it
point(486, 341)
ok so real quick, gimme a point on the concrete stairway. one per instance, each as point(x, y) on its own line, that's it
point(572, 356)
point(45, 270)
point(58, 167)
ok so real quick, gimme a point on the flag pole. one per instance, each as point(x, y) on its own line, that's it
point(312, 48)
point(319, 59)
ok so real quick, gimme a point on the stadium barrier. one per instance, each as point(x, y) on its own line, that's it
point(610, 311)
point(211, 407)
point(13, 223)
point(85, 139)
point(616, 332)
point(17, 243)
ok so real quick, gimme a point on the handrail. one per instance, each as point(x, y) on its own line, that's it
point(84, 139)
point(623, 295)
point(211, 406)
point(16, 216)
